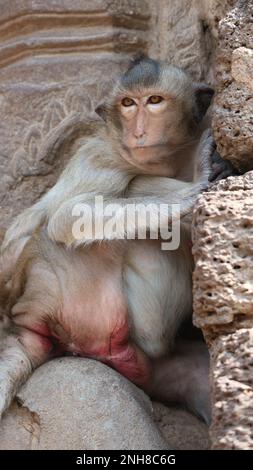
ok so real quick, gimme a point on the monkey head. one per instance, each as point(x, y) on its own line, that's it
point(154, 110)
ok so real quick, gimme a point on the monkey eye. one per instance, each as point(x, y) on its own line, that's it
point(155, 99)
point(127, 102)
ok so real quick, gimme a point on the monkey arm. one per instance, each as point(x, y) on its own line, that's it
point(81, 175)
point(114, 217)
point(155, 208)
point(153, 199)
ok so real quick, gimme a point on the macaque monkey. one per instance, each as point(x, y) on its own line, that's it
point(118, 299)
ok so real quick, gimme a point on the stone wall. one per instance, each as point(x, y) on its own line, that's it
point(185, 33)
point(223, 240)
point(233, 118)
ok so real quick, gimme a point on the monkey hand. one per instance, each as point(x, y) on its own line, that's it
point(220, 168)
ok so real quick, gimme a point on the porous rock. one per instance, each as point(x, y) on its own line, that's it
point(233, 110)
point(223, 250)
point(232, 372)
point(223, 304)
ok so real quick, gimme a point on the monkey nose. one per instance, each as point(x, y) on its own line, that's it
point(140, 137)
point(139, 134)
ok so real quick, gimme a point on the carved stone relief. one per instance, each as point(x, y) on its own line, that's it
point(54, 58)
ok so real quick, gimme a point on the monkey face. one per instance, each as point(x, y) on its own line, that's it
point(153, 111)
point(148, 120)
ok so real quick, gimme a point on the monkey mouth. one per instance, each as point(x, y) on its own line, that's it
point(148, 146)
point(141, 142)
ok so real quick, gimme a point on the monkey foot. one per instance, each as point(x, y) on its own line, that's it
point(183, 377)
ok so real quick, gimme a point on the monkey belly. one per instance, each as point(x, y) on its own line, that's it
point(69, 307)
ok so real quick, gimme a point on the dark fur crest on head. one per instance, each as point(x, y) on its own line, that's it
point(142, 72)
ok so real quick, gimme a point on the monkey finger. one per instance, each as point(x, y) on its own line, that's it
point(222, 170)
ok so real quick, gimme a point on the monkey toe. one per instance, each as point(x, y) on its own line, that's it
point(198, 399)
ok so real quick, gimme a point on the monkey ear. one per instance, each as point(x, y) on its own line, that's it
point(101, 111)
point(203, 96)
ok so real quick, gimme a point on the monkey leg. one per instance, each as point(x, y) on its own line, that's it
point(183, 377)
point(159, 293)
point(19, 355)
point(60, 313)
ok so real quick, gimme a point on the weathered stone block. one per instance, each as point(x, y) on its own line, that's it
point(233, 111)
